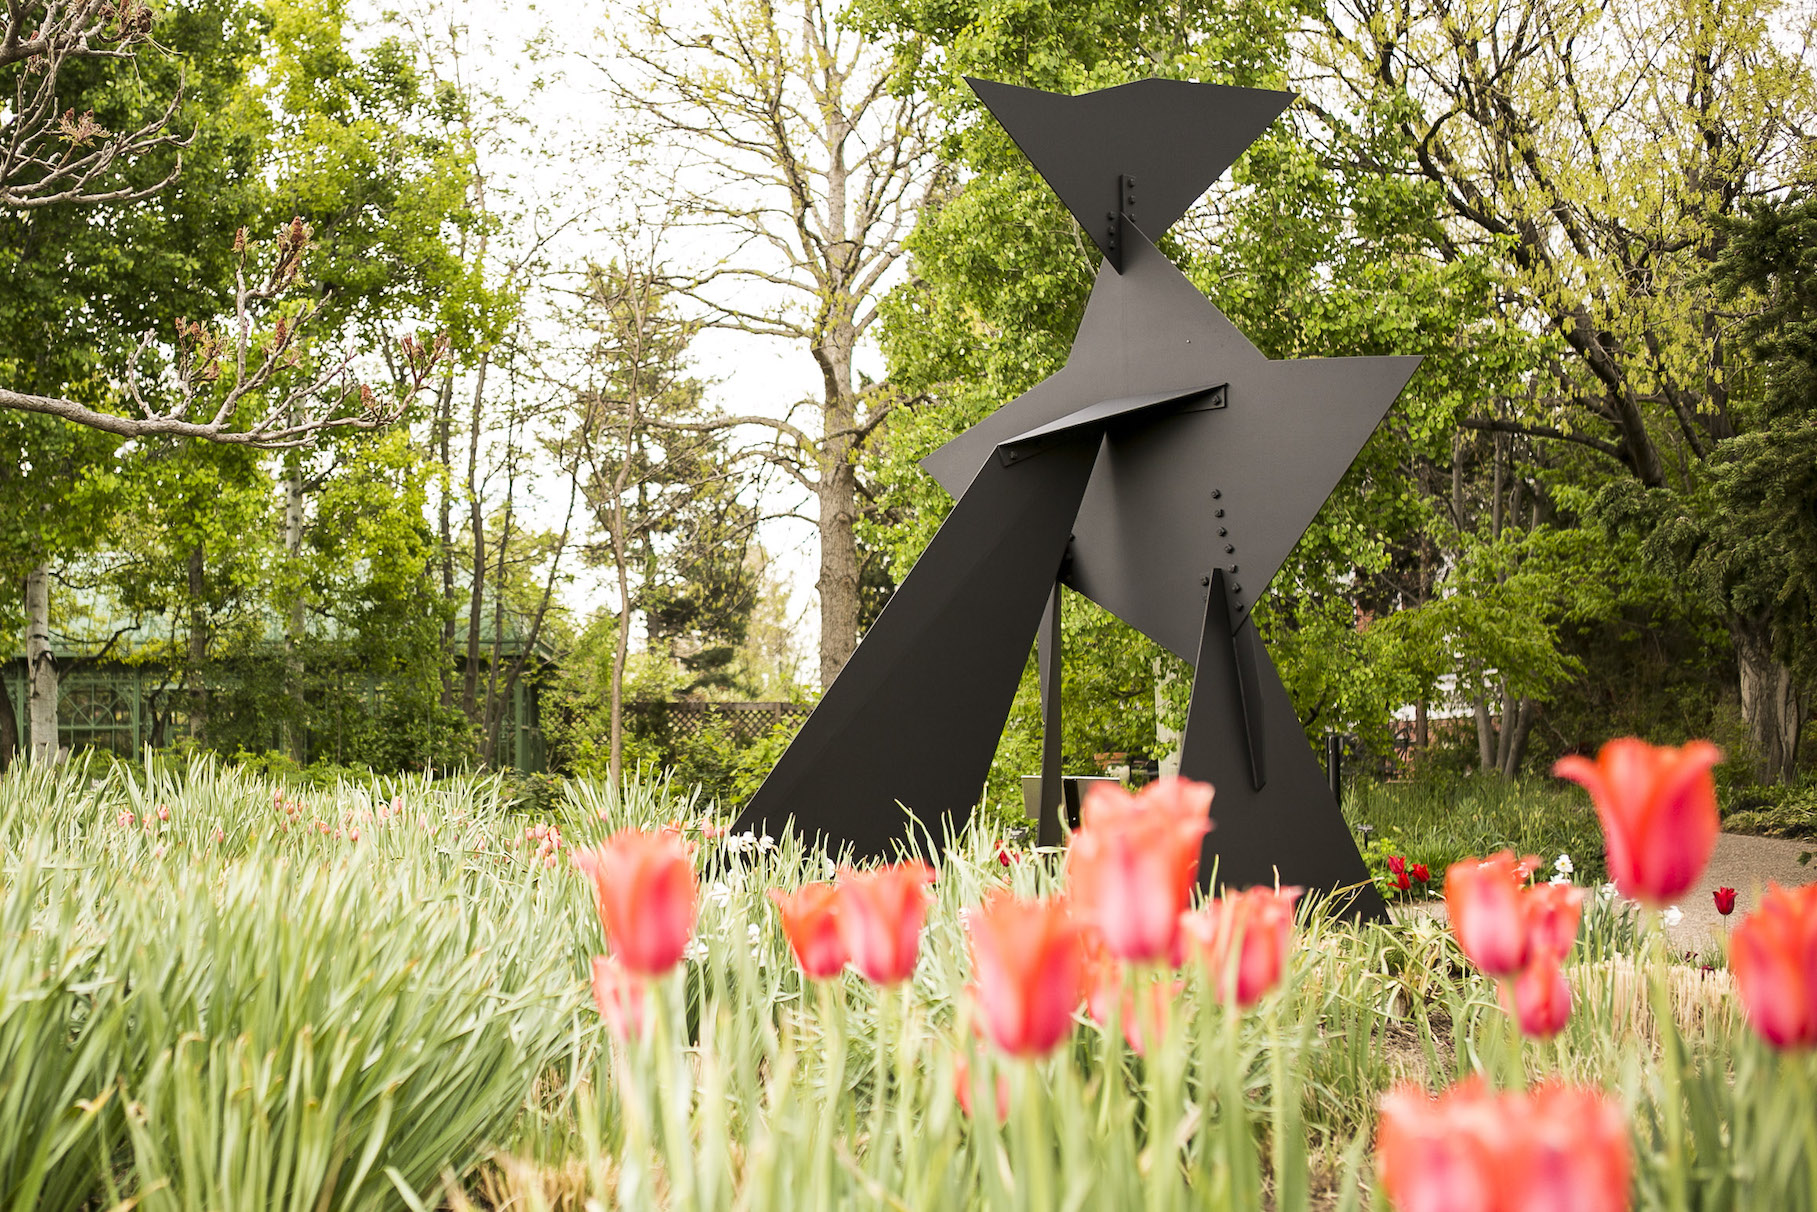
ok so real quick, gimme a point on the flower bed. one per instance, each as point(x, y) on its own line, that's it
point(399, 995)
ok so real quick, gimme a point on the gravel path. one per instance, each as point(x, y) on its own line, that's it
point(1746, 864)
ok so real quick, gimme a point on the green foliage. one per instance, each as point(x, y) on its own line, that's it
point(1440, 820)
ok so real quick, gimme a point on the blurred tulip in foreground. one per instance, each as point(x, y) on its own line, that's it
point(620, 997)
point(810, 919)
point(1553, 913)
point(962, 1087)
point(1657, 805)
point(1555, 1148)
point(1773, 954)
point(1133, 863)
point(1029, 963)
point(1243, 939)
point(880, 914)
point(645, 889)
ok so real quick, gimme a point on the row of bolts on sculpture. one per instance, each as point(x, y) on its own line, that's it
point(1131, 870)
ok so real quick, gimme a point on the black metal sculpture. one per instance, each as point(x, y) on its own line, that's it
point(1165, 472)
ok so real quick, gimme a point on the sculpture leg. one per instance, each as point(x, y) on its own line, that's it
point(1047, 828)
point(1273, 810)
point(914, 718)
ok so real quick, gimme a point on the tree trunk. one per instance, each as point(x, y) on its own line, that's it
point(198, 646)
point(837, 491)
point(1485, 737)
point(294, 732)
point(9, 726)
point(1516, 725)
point(42, 710)
point(476, 524)
point(1770, 702)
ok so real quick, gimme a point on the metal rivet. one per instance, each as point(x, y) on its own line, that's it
point(1233, 568)
point(1220, 513)
point(1222, 531)
point(1230, 549)
point(1204, 580)
point(1216, 493)
point(1239, 589)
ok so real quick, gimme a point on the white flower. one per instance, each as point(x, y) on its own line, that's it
point(1563, 865)
point(720, 893)
point(697, 950)
point(1560, 878)
point(740, 841)
point(766, 842)
point(753, 934)
point(1672, 916)
point(1608, 891)
point(832, 868)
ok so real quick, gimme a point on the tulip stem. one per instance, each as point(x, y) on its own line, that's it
point(1671, 1053)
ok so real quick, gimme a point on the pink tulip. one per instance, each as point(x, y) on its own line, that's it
point(1133, 864)
point(1539, 998)
point(880, 914)
point(811, 922)
point(644, 888)
point(1553, 912)
point(619, 995)
point(1488, 913)
point(1773, 954)
point(1029, 963)
point(1657, 806)
point(1243, 939)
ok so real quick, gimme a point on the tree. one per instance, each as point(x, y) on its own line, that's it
point(1591, 151)
point(660, 489)
point(790, 143)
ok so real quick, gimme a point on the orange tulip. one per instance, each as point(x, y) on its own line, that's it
point(1773, 953)
point(1488, 912)
point(810, 920)
point(1133, 863)
point(880, 914)
point(644, 888)
point(1243, 939)
point(1029, 960)
point(1556, 1148)
point(1539, 998)
point(1657, 806)
point(620, 997)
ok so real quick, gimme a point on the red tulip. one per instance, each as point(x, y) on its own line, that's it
point(1554, 1149)
point(1029, 961)
point(1402, 882)
point(1397, 864)
point(880, 914)
point(1539, 998)
point(619, 994)
point(1553, 912)
point(810, 920)
point(1773, 954)
point(1658, 812)
point(644, 887)
point(1488, 915)
point(1725, 900)
point(1133, 863)
point(1421, 872)
point(1257, 925)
